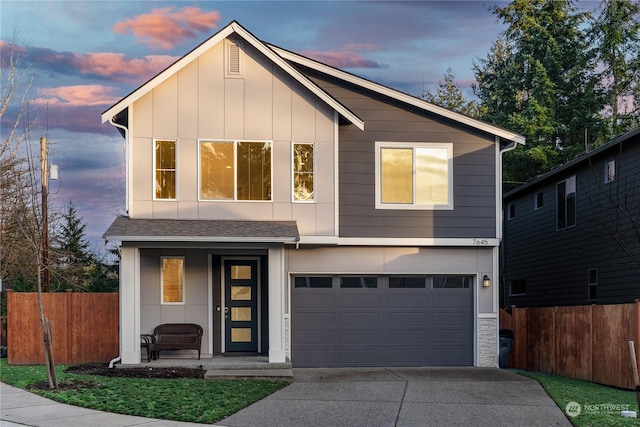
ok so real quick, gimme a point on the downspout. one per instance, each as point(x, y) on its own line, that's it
point(125, 130)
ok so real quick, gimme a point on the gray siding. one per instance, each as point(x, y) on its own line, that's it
point(474, 182)
point(554, 262)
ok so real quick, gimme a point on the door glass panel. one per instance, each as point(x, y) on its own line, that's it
point(241, 334)
point(241, 314)
point(241, 293)
point(241, 272)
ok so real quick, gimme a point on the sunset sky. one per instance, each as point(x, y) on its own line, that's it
point(86, 55)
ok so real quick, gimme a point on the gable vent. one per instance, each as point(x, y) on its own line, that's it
point(233, 59)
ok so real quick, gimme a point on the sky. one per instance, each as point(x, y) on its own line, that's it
point(86, 55)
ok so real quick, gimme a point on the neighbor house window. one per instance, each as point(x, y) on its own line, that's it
point(592, 284)
point(165, 169)
point(566, 192)
point(517, 287)
point(172, 278)
point(235, 170)
point(414, 175)
point(511, 211)
point(303, 173)
point(539, 200)
point(609, 171)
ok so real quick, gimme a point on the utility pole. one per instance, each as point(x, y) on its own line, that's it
point(45, 219)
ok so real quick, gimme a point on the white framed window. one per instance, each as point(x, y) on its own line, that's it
point(172, 280)
point(303, 169)
point(165, 172)
point(566, 205)
point(538, 200)
point(610, 171)
point(414, 175)
point(235, 170)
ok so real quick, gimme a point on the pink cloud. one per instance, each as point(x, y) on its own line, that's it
point(360, 47)
point(77, 96)
point(166, 27)
point(342, 59)
point(108, 64)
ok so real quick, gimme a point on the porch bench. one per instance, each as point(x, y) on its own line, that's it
point(175, 336)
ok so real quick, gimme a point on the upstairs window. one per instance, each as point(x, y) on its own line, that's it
point(414, 176)
point(165, 170)
point(592, 284)
point(609, 171)
point(511, 211)
point(303, 173)
point(172, 278)
point(235, 170)
point(566, 192)
point(538, 202)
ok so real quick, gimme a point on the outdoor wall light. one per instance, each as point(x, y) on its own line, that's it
point(486, 282)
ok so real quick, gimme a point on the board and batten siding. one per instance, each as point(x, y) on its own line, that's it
point(265, 104)
point(474, 180)
point(555, 263)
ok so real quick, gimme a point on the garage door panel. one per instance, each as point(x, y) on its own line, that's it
point(451, 356)
point(359, 301)
point(408, 337)
point(314, 337)
point(365, 356)
point(347, 319)
point(315, 318)
point(449, 336)
point(313, 356)
point(408, 301)
point(407, 318)
point(444, 319)
point(407, 356)
point(360, 337)
point(314, 300)
point(451, 300)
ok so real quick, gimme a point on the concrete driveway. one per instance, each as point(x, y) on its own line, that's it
point(384, 397)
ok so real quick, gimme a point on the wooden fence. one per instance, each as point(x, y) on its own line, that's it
point(585, 342)
point(84, 325)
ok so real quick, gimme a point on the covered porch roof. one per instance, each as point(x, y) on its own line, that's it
point(126, 229)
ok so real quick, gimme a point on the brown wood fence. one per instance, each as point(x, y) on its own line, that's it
point(84, 325)
point(585, 342)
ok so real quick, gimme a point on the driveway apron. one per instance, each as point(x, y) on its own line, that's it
point(384, 397)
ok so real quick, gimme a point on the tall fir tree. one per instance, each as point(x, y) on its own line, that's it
point(538, 79)
point(449, 95)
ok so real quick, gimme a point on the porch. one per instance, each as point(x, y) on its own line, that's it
point(223, 367)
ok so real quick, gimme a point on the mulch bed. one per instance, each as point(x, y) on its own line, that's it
point(136, 372)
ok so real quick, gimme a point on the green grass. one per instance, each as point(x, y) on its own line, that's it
point(600, 405)
point(192, 400)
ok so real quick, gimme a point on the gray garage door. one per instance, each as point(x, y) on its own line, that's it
point(382, 321)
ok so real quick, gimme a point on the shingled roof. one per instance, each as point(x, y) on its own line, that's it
point(195, 230)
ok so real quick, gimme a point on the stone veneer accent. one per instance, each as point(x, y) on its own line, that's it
point(487, 342)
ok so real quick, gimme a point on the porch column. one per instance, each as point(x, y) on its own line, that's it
point(276, 305)
point(130, 305)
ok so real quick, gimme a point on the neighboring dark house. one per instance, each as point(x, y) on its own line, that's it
point(301, 212)
point(572, 236)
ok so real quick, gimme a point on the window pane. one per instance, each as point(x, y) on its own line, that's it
point(396, 175)
point(165, 167)
point(358, 282)
point(432, 176)
point(452, 282)
point(313, 282)
point(216, 170)
point(518, 287)
point(241, 272)
point(406, 282)
point(254, 170)
point(241, 293)
point(303, 172)
point(172, 280)
point(561, 213)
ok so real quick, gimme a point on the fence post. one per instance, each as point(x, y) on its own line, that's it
point(591, 339)
point(70, 326)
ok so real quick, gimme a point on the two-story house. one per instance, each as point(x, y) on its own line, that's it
point(572, 235)
point(298, 211)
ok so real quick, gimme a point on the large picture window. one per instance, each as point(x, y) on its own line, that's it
point(235, 170)
point(303, 173)
point(172, 280)
point(165, 169)
point(566, 192)
point(414, 176)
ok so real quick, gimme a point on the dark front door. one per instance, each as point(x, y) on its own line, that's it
point(241, 305)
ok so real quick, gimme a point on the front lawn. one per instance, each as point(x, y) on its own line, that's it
point(194, 400)
point(599, 405)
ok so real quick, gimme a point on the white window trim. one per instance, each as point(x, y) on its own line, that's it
point(313, 147)
point(535, 200)
point(153, 170)
point(511, 294)
point(184, 287)
point(235, 175)
point(412, 145)
point(570, 182)
point(607, 166)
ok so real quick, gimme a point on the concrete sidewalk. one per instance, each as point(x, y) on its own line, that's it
point(352, 397)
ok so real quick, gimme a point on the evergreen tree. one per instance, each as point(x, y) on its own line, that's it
point(538, 79)
point(448, 95)
point(616, 37)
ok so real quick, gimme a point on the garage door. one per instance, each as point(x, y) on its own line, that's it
point(382, 321)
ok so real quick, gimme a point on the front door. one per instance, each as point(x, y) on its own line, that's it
point(241, 305)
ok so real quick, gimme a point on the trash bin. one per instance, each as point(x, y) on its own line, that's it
point(506, 343)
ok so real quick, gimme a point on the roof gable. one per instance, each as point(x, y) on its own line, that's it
point(233, 28)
